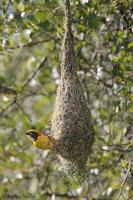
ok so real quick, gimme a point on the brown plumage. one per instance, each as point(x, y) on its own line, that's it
point(72, 132)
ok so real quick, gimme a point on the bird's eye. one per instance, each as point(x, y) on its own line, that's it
point(34, 136)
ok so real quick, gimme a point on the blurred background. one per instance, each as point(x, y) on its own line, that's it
point(31, 34)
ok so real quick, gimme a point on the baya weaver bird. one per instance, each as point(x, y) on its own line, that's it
point(40, 139)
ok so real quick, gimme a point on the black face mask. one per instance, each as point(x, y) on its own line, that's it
point(32, 134)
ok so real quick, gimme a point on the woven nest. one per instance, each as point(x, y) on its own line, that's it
point(72, 131)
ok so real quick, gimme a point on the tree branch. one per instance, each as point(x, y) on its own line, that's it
point(33, 74)
point(30, 44)
point(118, 148)
point(8, 107)
point(25, 84)
point(7, 90)
point(124, 181)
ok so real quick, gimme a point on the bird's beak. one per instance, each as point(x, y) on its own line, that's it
point(29, 133)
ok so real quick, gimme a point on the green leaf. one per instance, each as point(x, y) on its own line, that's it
point(115, 59)
point(124, 163)
point(92, 21)
point(40, 16)
point(21, 7)
point(130, 44)
point(130, 81)
point(130, 107)
point(45, 24)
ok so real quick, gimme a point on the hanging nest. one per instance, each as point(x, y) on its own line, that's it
point(72, 132)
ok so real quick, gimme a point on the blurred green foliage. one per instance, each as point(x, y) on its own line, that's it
point(103, 32)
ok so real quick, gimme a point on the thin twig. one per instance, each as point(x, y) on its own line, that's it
point(7, 90)
point(25, 84)
point(30, 44)
point(115, 29)
point(8, 106)
point(124, 181)
point(33, 74)
point(118, 148)
point(25, 113)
